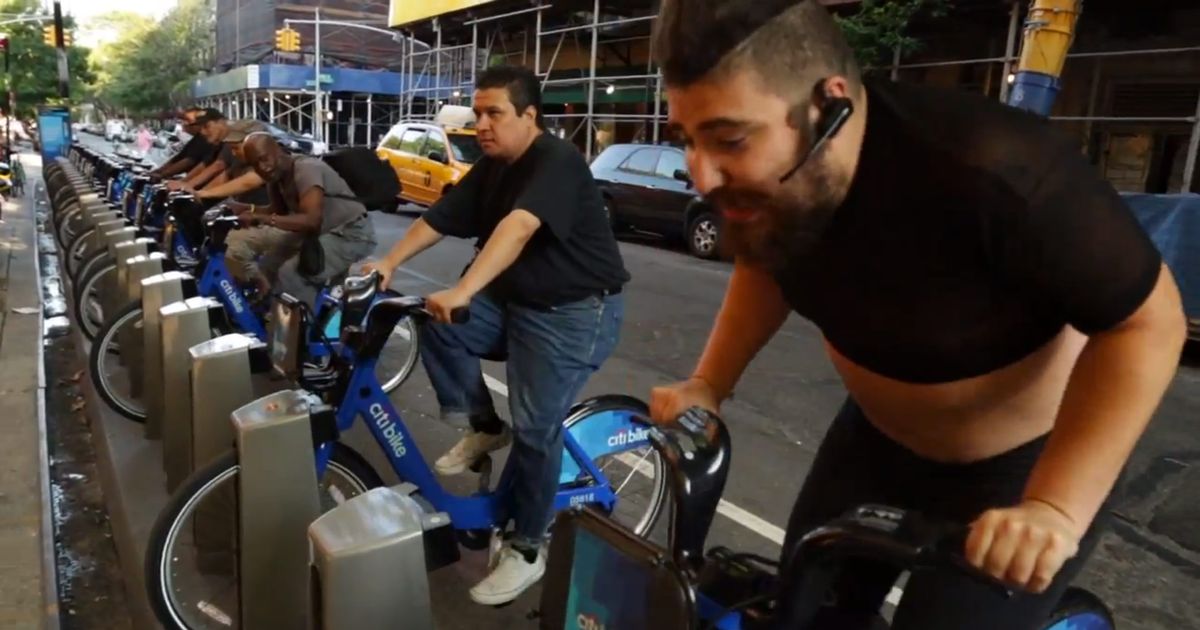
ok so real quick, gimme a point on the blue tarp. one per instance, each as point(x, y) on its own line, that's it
point(1173, 222)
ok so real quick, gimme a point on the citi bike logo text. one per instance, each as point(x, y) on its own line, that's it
point(588, 622)
point(388, 428)
point(628, 436)
point(235, 300)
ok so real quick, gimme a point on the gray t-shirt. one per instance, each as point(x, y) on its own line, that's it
point(339, 207)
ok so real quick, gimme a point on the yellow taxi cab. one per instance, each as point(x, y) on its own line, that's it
point(430, 157)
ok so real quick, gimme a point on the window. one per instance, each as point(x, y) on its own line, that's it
point(670, 162)
point(642, 161)
point(411, 141)
point(435, 142)
point(466, 148)
point(391, 142)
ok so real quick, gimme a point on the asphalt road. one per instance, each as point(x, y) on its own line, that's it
point(789, 395)
point(1147, 568)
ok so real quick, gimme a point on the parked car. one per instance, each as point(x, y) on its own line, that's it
point(429, 158)
point(296, 142)
point(114, 130)
point(647, 187)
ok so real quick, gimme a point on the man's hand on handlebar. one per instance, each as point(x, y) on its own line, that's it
point(178, 185)
point(236, 207)
point(668, 402)
point(1024, 545)
point(441, 305)
point(381, 267)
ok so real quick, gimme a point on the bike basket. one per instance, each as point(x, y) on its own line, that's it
point(286, 328)
point(599, 576)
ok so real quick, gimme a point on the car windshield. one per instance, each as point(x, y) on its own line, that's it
point(466, 148)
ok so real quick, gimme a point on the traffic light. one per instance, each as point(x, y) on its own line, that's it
point(287, 40)
point(50, 36)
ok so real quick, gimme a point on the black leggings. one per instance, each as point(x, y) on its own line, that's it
point(857, 464)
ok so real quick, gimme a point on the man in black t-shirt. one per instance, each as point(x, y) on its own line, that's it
point(193, 154)
point(213, 127)
point(1004, 327)
point(543, 289)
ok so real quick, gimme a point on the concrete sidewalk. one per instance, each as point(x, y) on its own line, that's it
point(27, 585)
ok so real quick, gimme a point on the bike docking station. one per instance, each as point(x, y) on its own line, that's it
point(132, 342)
point(157, 292)
point(183, 324)
point(223, 368)
point(369, 568)
point(277, 501)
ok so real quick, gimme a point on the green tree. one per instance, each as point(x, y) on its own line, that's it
point(151, 60)
point(34, 65)
point(880, 27)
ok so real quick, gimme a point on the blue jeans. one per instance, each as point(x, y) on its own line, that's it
point(551, 354)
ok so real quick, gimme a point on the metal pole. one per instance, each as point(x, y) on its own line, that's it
point(1189, 168)
point(370, 117)
point(896, 64)
point(1010, 50)
point(537, 47)
point(591, 96)
point(657, 103)
point(475, 53)
point(271, 105)
point(64, 74)
point(437, 66)
point(318, 115)
point(237, 34)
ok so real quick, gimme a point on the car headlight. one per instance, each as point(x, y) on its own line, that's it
point(292, 144)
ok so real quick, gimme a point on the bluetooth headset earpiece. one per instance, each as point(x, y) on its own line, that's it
point(834, 112)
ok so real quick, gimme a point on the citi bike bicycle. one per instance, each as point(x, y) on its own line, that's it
point(213, 279)
point(607, 464)
point(601, 576)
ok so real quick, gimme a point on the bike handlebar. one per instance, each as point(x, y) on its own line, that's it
point(696, 449)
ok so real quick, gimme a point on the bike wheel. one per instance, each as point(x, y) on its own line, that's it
point(112, 380)
point(68, 226)
point(1080, 610)
point(633, 468)
point(398, 357)
point(191, 557)
point(88, 308)
point(73, 254)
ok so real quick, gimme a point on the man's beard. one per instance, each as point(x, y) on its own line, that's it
point(782, 229)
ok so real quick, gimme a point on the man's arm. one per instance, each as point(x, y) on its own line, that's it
point(307, 220)
point(501, 251)
point(1118, 382)
point(175, 167)
point(204, 176)
point(231, 187)
point(751, 313)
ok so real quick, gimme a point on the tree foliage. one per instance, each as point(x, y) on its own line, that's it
point(152, 60)
point(34, 65)
point(880, 27)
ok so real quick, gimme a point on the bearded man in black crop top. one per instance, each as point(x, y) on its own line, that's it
point(1002, 324)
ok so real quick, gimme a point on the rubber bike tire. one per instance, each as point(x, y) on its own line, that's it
point(220, 470)
point(659, 493)
point(1080, 609)
point(68, 225)
point(105, 338)
point(87, 266)
point(77, 244)
point(80, 294)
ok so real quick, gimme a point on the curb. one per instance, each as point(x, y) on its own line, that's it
point(50, 619)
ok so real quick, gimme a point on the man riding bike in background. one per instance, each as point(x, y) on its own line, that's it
point(307, 197)
point(543, 290)
point(212, 127)
point(1004, 327)
point(193, 154)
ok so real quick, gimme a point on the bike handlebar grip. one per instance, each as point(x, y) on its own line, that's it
point(460, 315)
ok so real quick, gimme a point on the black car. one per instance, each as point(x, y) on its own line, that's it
point(646, 187)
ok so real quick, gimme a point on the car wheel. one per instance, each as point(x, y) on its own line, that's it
point(610, 213)
point(704, 235)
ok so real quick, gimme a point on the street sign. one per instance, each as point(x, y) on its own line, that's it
point(325, 78)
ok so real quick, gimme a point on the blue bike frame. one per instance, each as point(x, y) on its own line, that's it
point(215, 281)
point(603, 434)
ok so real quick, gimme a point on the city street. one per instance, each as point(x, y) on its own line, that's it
point(790, 394)
point(1147, 567)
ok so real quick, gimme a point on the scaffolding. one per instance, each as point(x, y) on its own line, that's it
point(352, 120)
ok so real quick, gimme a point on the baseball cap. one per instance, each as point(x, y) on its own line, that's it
point(239, 129)
point(209, 114)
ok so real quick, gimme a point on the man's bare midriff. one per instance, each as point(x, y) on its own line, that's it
point(972, 419)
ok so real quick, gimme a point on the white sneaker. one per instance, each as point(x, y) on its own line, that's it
point(469, 449)
point(512, 576)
